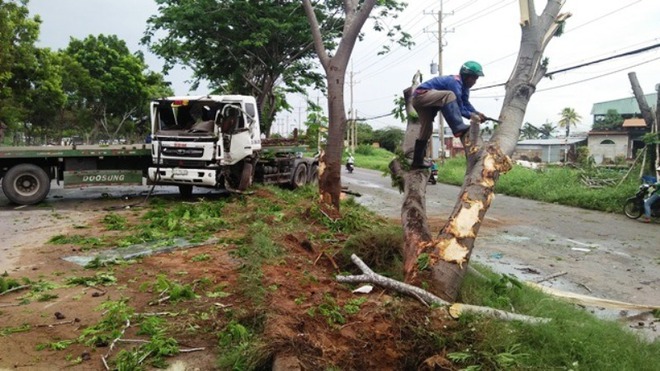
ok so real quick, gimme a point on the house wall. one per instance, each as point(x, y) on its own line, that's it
point(604, 152)
point(540, 153)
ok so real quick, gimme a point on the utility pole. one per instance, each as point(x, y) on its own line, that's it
point(352, 123)
point(441, 124)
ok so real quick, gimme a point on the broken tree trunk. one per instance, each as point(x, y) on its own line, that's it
point(449, 253)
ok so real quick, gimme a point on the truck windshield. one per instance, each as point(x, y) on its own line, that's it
point(183, 115)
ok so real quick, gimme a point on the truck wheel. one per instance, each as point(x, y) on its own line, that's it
point(299, 177)
point(185, 190)
point(26, 184)
point(246, 176)
point(314, 175)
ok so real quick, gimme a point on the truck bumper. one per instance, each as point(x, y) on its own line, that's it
point(196, 177)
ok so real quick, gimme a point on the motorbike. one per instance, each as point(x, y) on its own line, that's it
point(349, 167)
point(433, 178)
point(634, 206)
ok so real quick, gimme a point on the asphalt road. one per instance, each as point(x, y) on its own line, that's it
point(604, 255)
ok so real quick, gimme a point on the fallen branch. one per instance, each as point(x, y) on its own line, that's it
point(112, 345)
point(455, 310)
point(15, 289)
point(369, 276)
point(427, 298)
point(58, 323)
point(546, 278)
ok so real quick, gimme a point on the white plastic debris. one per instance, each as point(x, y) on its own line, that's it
point(363, 289)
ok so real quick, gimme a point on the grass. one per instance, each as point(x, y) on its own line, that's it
point(574, 339)
point(558, 185)
point(554, 184)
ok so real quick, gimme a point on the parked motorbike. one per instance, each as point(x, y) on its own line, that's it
point(433, 178)
point(634, 206)
point(349, 167)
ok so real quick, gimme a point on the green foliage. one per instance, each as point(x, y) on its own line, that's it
point(371, 158)
point(423, 261)
point(240, 348)
point(116, 315)
point(8, 284)
point(6, 331)
point(100, 279)
point(333, 312)
point(114, 222)
point(572, 339)
point(379, 247)
point(56, 345)
point(389, 138)
point(612, 121)
point(85, 243)
point(175, 291)
point(109, 81)
point(166, 222)
point(260, 46)
point(201, 258)
point(353, 219)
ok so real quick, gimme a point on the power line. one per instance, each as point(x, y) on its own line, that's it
point(633, 52)
point(549, 74)
point(579, 81)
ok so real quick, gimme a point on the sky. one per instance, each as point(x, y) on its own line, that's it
point(486, 31)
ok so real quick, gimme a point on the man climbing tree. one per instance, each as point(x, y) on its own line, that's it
point(448, 254)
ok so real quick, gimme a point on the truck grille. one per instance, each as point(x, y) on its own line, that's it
point(184, 163)
point(182, 152)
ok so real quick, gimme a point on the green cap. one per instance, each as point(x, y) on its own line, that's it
point(472, 68)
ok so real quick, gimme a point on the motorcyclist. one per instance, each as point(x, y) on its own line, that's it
point(654, 195)
point(450, 94)
point(350, 161)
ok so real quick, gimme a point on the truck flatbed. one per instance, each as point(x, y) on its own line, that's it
point(142, 149)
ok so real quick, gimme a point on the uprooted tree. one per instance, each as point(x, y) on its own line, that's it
point(446, 256)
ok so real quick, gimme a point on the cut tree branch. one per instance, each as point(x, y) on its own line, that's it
point(427, 298)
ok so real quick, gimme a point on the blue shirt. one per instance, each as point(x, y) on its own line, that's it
point(455, 84)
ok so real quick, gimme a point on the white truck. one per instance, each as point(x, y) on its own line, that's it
point(215, 141)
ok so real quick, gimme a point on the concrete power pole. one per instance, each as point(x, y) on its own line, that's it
point(441, 123)
point(352, 122)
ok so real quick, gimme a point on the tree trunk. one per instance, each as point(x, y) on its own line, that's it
point(449, 253)
point(650, 118)
point(355, 15)
point(647, 112)
point(330, 178)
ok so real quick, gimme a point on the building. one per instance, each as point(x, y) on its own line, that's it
point(624, 142)
point(552, 150)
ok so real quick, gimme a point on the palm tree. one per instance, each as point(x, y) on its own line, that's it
point(547, 129)
point(568, 117)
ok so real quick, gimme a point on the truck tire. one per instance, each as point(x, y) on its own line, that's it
point(185, 190)
point(314, 175)
point(299, 176)
point(246, 176)
point(26, 184)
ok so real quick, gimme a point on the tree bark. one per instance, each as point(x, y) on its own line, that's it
point(356, 13)
point(647, 112)
point(449, 253)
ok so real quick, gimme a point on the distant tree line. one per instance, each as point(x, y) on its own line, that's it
point(94, 89)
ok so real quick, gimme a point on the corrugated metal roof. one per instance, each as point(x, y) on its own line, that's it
point(634, 123)
point(625, 106)
point(550, 142)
